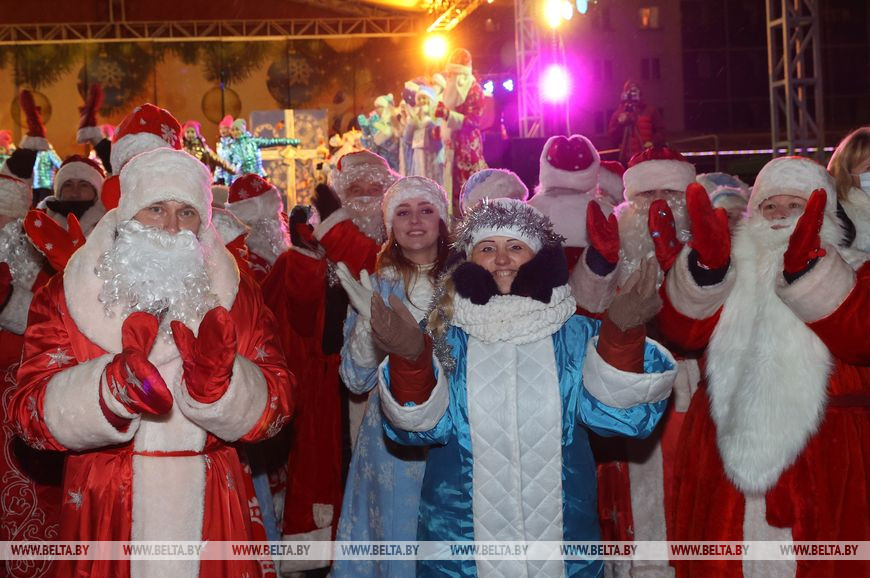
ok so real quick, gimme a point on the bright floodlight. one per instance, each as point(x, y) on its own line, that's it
point(582, 6)
point(557, 11)
point(435, 47)
point(488, 87)
point(508, 85)
point(555, 84)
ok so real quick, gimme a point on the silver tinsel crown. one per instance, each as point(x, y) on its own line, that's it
point(506, 213)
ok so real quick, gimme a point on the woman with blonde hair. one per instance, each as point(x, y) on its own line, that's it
point(850, 167)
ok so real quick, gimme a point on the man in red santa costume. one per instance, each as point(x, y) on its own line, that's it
point(145, 361)
point(568, 179)
point(635, 476)
point(257, 203)
point(774, 445)
point(77, 186)
point(31, 505)
point(461, 107)
point(310, 305)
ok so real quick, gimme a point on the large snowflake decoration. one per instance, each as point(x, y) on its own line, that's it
point(298, 72)
point(110, 74)
point(60, 357)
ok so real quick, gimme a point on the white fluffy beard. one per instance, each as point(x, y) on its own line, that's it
point(366, 214)
point(151, 270)
point(635, 241)
point(269, 238)
point(22, 257)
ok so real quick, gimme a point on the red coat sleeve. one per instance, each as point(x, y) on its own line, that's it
point(684, 332)
point(344, 242)
point(845, 331)
point(294, 290)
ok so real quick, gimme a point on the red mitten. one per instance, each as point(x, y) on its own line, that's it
point(133, 380)
point(88, 129)
point(35, 128)
point(664, 234)
point(804, 245)
point(52, 240)
point(441, 110)
point(110, 194)
point(710, 236)
point(207, 359)
point(5, 283)
point(603, 232)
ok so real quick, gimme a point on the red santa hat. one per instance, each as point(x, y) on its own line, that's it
point(226, 122)
point(164, 174)
point(146, 128)
point(15, 197)
point(796, 176)
point(491, 184)
point(610, 180)
point(252, 198)
point(413, 188)
point(569, 163)
point(359, 166)
point(79, 167)
point(459, 61)
point(657, 168)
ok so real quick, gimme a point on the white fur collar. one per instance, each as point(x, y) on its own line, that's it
point(512, 318)
point(82, 287)
point(768, 373)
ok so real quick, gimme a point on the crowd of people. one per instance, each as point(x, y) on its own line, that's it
point(634, 353)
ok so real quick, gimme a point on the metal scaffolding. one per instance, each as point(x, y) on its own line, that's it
point(528, 47)
point(797, 120)
point(452, 14)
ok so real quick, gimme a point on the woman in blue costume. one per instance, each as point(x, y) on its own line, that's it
point(382, 494)
point(506, 387)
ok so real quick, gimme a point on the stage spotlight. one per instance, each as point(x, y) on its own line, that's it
point(435, 47)
point(557, 11)
point(488, 88)
point(582, 6)
point(508, 85)
point(555, 84)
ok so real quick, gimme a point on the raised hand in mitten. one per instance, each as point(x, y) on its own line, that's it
point(52, 240)
point(325, 200)
point(132, 380)
point(804, 245)
point(638, 300)
point(208, 358)
point(710, 236)
point(360, 292)
point(88, 129)
point(394, 329)
point(300, 231)
point(441, 110)
point(5, 284)
point(664, 234)
point(603, 232)
point(35, 138)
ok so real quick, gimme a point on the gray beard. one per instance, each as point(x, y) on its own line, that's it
point(269, 238)
point(366, 215)
point(150, 270)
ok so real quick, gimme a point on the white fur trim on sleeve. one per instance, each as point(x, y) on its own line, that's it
point(455, 120)
point(416, 418)
point(238, 410)
point(624, 389)
point(591, 291)
point(13, 318)
point(691, 299)
point(328, 223)
point(72, 408)
point(821, 290)
point(89, 134)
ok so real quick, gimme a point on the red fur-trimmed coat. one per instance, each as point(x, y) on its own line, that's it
point(176, 477)
point(295, 290)
point(775, 443)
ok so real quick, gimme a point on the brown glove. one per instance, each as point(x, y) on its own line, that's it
point(638, 300)
point(394, 329)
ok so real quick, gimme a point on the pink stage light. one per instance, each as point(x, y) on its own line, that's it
point(555, 84)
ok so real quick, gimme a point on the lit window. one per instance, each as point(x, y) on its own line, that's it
point(649, 17)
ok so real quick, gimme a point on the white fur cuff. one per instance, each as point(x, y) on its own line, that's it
point(417, 418)
point(624, 389)
point(89, 134)
point(591, 291)
point(238, 410)
point(13, 318)
point(322, 536)
point(820, 291)
point(455, 120)
point(72, 408)
point(328, 223)
point(691, 299)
